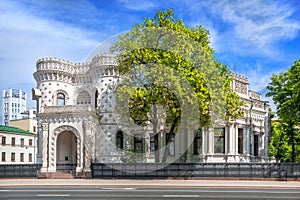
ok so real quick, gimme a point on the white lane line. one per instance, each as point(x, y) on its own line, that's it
point(180, 196)
point(130, 188)
point(117, 189)
point(53, 195)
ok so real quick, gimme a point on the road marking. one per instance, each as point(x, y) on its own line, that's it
point(118, 188)
point(180, 196)
point(53, 195)
point(130, 188)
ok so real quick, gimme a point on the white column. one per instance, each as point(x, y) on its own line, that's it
point(235, 138)
point(190, 141)
point(45, 133)
point(210, 144)
point(230, 142)
point(245, 141)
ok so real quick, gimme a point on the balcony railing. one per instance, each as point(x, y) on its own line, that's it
point(69, 109)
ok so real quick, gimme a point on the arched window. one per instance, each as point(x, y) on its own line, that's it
point(60, 99)
point(119, 140)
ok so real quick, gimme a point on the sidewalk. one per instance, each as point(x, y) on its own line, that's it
point(148, 183)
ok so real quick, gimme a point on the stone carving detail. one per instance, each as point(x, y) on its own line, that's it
point(61, 70)
point(240, 87)
point(69, 109)
point(83, 98)
point(45, 127)
point(254, 95)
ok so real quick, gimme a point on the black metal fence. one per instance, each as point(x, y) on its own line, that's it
point(19, 171)
point(168, 170)
point(196, 170)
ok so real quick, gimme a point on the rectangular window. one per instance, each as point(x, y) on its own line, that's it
point(255, 145)
point(12, 157)
point(30, 142)
point(153, 143)
point(171, 144)
point(119, 140)
point(138, 144)
point(34, 129)
point(219, 140)
point(198, 142)
point(13, 141)
point(22, 142)
point(3, 141)
point(21, 157)
point(3, 157)
point(240, 140)
point(30, 157)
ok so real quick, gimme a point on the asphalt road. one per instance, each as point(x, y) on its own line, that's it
point(93, 192)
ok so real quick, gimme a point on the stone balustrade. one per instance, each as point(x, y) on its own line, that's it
point(104, 60)
point(69, 109)
point(62, 65)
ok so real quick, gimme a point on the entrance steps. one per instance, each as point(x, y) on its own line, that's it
point(55, 175)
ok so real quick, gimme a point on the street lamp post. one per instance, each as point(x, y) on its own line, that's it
point(250, 128)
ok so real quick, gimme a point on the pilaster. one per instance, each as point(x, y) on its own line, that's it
point(45, 156)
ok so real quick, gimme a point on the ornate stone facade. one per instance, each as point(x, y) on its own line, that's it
point(78, 122)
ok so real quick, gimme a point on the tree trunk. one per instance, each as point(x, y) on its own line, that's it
point(291, 130)
point(155, 132)
point(171, 133)
point(293, 146)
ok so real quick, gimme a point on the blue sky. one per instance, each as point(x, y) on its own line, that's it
point(256, 38)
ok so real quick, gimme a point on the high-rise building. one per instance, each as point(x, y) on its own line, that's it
point(13, 104)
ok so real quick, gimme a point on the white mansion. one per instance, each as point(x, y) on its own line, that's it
point(77, 122)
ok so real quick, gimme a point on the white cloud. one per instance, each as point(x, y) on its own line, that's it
point(259, 24)
point(24, 38)
point(247, 27)
point(138, 4)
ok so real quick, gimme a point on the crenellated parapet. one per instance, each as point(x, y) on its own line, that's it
point(254, 95)
point(103, 66)
point(55, 69)
point(62, 65)
point(104, 60)
point(240, 83)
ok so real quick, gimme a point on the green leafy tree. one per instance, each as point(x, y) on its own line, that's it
point(284, 88)
point(167, 63)
point(279, 146)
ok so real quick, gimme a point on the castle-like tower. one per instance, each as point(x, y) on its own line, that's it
point(73, 99)
point(78, 123)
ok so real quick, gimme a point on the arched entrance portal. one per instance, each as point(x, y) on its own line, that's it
point(66, 154)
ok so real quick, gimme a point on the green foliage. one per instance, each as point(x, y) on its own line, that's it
point(279, 146)
point(285, 91)
point(170, 64)
point(284, 88)
point(130, 156)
